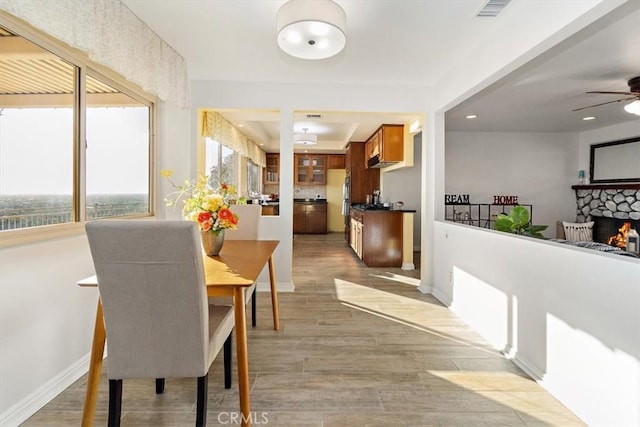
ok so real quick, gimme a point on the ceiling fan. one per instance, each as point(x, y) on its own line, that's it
point(633, 94)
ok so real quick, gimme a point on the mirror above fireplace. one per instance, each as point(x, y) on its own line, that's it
point(615, 161)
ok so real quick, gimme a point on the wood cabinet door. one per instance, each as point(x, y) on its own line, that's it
point(299, 223)
point(336, 161)
point(310, 169)
point(391, 141)
point(301, 169)
point(318, 169)
point(317, 222)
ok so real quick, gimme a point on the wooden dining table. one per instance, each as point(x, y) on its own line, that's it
point(228, 274)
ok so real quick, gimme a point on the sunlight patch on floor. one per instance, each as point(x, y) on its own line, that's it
point(410, 312)
point(399, 278)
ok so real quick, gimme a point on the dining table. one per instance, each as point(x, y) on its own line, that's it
point(237, 267)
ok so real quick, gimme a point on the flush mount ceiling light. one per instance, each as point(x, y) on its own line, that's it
point(311, 29)
point(472, 116)
point(633, 108)
point(305, 138)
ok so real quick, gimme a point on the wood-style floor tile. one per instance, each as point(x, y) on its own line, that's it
point(359, 347)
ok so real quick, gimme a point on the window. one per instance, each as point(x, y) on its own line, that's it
point(253, 178)
point(219, 163)
point(117, 152)
point(42, 120)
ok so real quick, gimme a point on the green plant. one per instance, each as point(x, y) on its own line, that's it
point(517, 222)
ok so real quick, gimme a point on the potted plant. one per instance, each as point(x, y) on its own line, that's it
point(517, 222)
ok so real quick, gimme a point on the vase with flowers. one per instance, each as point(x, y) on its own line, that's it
point(208, 207)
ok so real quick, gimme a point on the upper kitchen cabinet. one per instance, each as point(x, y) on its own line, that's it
point(385, 146)
point(335, 161)
point(310, 169)
point(272, 170)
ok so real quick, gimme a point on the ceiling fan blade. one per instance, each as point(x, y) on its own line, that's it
point(605, 103)
point(614, 93)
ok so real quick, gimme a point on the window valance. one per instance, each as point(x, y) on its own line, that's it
point(220, 129)
point(132, 50)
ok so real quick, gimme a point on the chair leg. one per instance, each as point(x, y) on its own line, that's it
point(201, 405)
point(159, 385)
point(253, 309)
point(115, 402)
point(227, 361)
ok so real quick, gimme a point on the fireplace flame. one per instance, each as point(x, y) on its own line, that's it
point(620, 239)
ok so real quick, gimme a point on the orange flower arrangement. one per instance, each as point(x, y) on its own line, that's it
point(209, 208)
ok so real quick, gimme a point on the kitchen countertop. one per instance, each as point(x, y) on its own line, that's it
point(376, 208)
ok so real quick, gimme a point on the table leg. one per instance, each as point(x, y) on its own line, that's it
point(242, 353)
point(95, 367)
point(274, 294)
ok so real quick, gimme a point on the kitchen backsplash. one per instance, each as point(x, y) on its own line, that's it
point(300, 192)
point(310, 192)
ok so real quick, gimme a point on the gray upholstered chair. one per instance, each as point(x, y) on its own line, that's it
point(157, 318)
point(248, 229)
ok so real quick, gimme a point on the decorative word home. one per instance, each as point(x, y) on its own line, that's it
point(456, 199)
point(505, 200)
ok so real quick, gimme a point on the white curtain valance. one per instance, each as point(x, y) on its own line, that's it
point(111, 35)
point(220, 129)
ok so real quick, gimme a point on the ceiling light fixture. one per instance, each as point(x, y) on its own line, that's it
point(311, 29)
point(589, 118)
point(633, 107)
point(305, 138)
point(472, 116)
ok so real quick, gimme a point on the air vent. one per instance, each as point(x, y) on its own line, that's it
point(493, 8)
point(314, 116)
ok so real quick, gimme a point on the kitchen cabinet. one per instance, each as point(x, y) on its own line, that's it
point(376, 237)
point(310, 217)
point(270, 210)
point(386, 145)
point(272, 170)
point(361, 181)
point(310, 169)
point(335, 161)
point(356, 233)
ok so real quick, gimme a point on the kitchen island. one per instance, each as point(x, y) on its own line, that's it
point(382, 237)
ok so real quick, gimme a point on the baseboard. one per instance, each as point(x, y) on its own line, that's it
point(444, 299)
point(424, 288)
point(31, 404)
point(408, 266)
point(529, 368)
point(282, 287)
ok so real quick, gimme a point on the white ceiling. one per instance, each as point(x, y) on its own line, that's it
point(405, 42)
point(540, 96)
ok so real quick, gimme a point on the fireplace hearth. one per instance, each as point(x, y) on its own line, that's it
point(609, 206)
point(604, 228)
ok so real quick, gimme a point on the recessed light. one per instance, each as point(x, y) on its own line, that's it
point(472, 116)
point(589, 118)
point(241, 125)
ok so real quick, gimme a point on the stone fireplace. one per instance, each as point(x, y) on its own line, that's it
point(609, 206)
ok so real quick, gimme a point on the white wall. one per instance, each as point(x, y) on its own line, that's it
point(569, 316)
point(404, 185)
point(539, 168)
point(46, 321)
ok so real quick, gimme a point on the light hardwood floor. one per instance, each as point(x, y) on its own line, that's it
point(357, 347)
